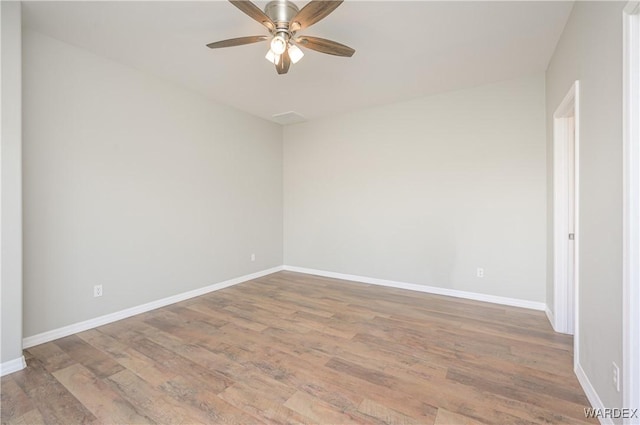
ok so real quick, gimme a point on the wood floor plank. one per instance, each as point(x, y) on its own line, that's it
point(32, 417)
point(206, 403)
point(221, 317)
point(449, 418)
point(183, 367)
point(324, 325)
point(151, 401)
point(107, 405)
point(55, 403)
point(347, 392)
point(386, 414)
point(281, 415)
point(515, 392)
point(268, 318)
point(290, 348)
point(199, 355)
point(128, 331)
point(317, 411)
point(524, 383)
point(52, 357)
point(98, 362)
point(263, 398)
point(362, 372)
point(13, 401)
point(292, 371)
point(143, 366)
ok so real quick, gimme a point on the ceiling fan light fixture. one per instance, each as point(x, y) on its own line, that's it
point(283, 19)
point(295, 54)
point(278, 44)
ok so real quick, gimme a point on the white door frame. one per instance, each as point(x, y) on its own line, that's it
point(563, 126)
point(631, 207)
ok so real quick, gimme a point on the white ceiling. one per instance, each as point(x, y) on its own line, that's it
point(404, 49)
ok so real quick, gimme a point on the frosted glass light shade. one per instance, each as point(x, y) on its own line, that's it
point(295, 54)
point(272, 57)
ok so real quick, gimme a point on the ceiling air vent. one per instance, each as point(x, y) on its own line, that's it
point(287, 118)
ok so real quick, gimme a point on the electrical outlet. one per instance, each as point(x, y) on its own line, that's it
point(253, 257)
point(97, 291)
point(480, 272)
point(616, 376)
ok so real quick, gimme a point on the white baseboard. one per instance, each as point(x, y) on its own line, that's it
point(123, 314)
point(591, 393)
point(12, 366)
point(550, 316)
point(514, 302)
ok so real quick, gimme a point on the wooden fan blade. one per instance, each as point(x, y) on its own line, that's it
point(314, 11)
point(237, 41)
point(284, 63)
point(325, 46)
point(254, 12)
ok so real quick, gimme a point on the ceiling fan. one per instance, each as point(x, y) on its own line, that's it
point(283, 19)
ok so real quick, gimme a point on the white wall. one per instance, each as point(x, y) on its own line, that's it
point(425, 191)
point(590, 50)
point(11, 165)
point(137, 185)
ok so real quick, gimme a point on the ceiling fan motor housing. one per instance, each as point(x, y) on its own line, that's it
point(281, 12)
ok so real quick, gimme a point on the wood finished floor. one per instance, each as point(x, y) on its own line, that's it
point(291, 348)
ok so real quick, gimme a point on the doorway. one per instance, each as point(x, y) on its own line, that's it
point(566, 127)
